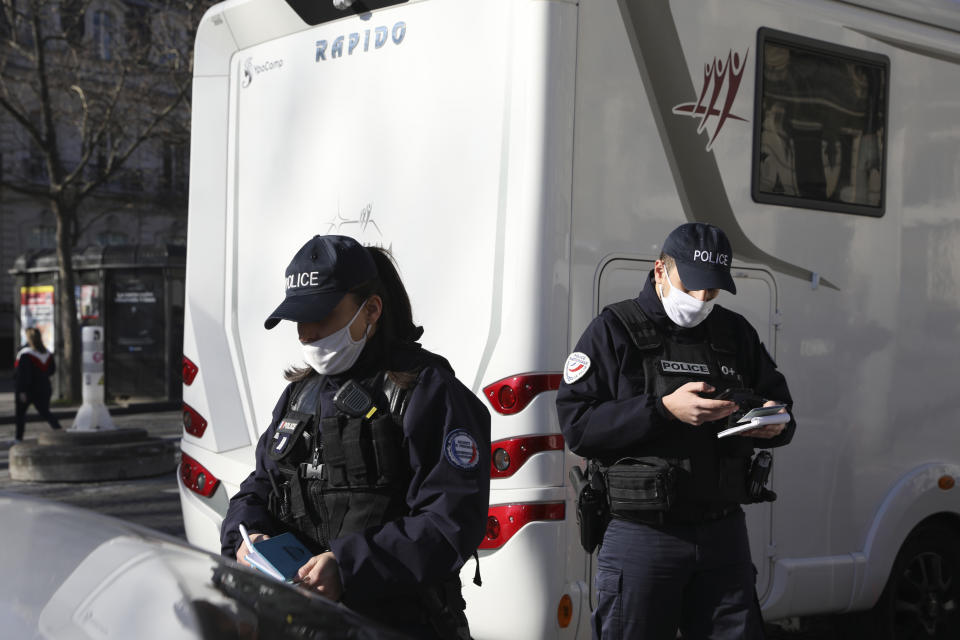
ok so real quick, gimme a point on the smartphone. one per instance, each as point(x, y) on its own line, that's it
point(761, 411)
point(733, 393)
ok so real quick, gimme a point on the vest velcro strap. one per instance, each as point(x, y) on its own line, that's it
point(641, 329)
point(356, 444)
point(298, 507)
point(333, 454)
point(386, 447)
point(338, 509)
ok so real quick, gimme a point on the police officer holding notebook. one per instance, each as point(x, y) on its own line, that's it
point(651, 383)
point(377, 457)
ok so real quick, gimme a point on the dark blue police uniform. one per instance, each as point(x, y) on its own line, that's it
point(444, 519)
point(688, 567)
point(377, 453)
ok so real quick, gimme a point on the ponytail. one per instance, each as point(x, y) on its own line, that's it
point(396, 320)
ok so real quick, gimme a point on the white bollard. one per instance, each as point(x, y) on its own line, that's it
point(93, 414)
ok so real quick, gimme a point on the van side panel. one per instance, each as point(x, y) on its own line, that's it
point(866, 306)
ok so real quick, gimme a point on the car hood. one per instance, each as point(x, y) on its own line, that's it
point(74, 574)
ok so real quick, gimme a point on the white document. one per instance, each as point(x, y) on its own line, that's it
point(256, 559)
point(757, 418)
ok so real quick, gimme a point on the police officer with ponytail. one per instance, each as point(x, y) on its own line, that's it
point(651, 384)
point(377, 457)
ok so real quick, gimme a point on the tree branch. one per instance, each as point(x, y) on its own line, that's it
point(25, 189)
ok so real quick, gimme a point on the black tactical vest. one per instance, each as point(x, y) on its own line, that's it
point(340, 474)
point(712, 473)
point(343, 474)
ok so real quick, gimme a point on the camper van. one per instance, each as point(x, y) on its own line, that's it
point(523, 160)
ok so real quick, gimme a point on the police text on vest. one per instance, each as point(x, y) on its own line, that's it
point(696, 368)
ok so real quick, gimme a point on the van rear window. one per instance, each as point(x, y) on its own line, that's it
point(820, 123)
point(314, 12)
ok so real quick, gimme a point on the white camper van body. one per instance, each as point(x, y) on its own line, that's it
point(523, 160)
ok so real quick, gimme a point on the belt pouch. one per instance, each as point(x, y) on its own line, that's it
point(641, 484)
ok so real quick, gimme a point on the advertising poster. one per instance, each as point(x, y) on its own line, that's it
point(88, 303)
point(36, 310)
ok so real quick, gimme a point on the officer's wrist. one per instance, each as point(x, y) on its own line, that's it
point(662, 412)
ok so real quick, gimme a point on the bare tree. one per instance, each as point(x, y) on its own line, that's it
point(87, 83)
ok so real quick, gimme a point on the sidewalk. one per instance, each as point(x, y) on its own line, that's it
point(153, 502)
point(65, 414)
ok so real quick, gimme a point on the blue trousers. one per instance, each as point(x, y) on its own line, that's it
point(655, 579)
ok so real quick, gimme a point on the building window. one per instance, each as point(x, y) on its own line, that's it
point(174, 167)
point(35, 166)
point(72, 17)
point(819, 125)
point(103, 31)
point(42, 236)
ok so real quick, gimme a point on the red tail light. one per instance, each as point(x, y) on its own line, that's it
point(506, 456)
point(189, 371)
point(196, 477)
point(193, 422)
point(511, 395)
point(504, 520)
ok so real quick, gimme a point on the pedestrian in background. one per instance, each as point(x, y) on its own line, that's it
point(31, 371)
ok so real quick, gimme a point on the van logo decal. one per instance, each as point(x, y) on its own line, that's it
point(371, 39)
point(717, 76)
point(249, 69)
point(360, 224)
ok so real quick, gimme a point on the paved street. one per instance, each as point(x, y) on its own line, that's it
point(152, 502)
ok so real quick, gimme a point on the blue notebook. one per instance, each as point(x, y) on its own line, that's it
point(280, 556)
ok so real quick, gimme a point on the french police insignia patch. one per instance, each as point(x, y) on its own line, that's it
point(461, 450)
point(575, 367)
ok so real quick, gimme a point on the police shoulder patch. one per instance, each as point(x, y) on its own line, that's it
point(460, 450)
point(575, 367)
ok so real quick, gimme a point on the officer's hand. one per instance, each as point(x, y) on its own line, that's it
point(686, 404)
point(244, 549)
point(23, 396)
point(322, 574)
point(768, 430)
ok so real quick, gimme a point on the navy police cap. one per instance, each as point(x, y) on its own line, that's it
point(320, 274)
point(703, 256)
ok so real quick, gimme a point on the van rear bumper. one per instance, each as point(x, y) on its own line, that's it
point(531, 568)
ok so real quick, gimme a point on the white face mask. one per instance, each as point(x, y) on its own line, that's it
point(337, 352)
point(683, 308)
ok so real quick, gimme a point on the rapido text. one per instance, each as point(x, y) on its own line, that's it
point(377, 37)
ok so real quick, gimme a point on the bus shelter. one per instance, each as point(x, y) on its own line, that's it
point(134, 292)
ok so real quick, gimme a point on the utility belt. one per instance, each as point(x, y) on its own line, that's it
point(680, 516)
point(647, 489)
